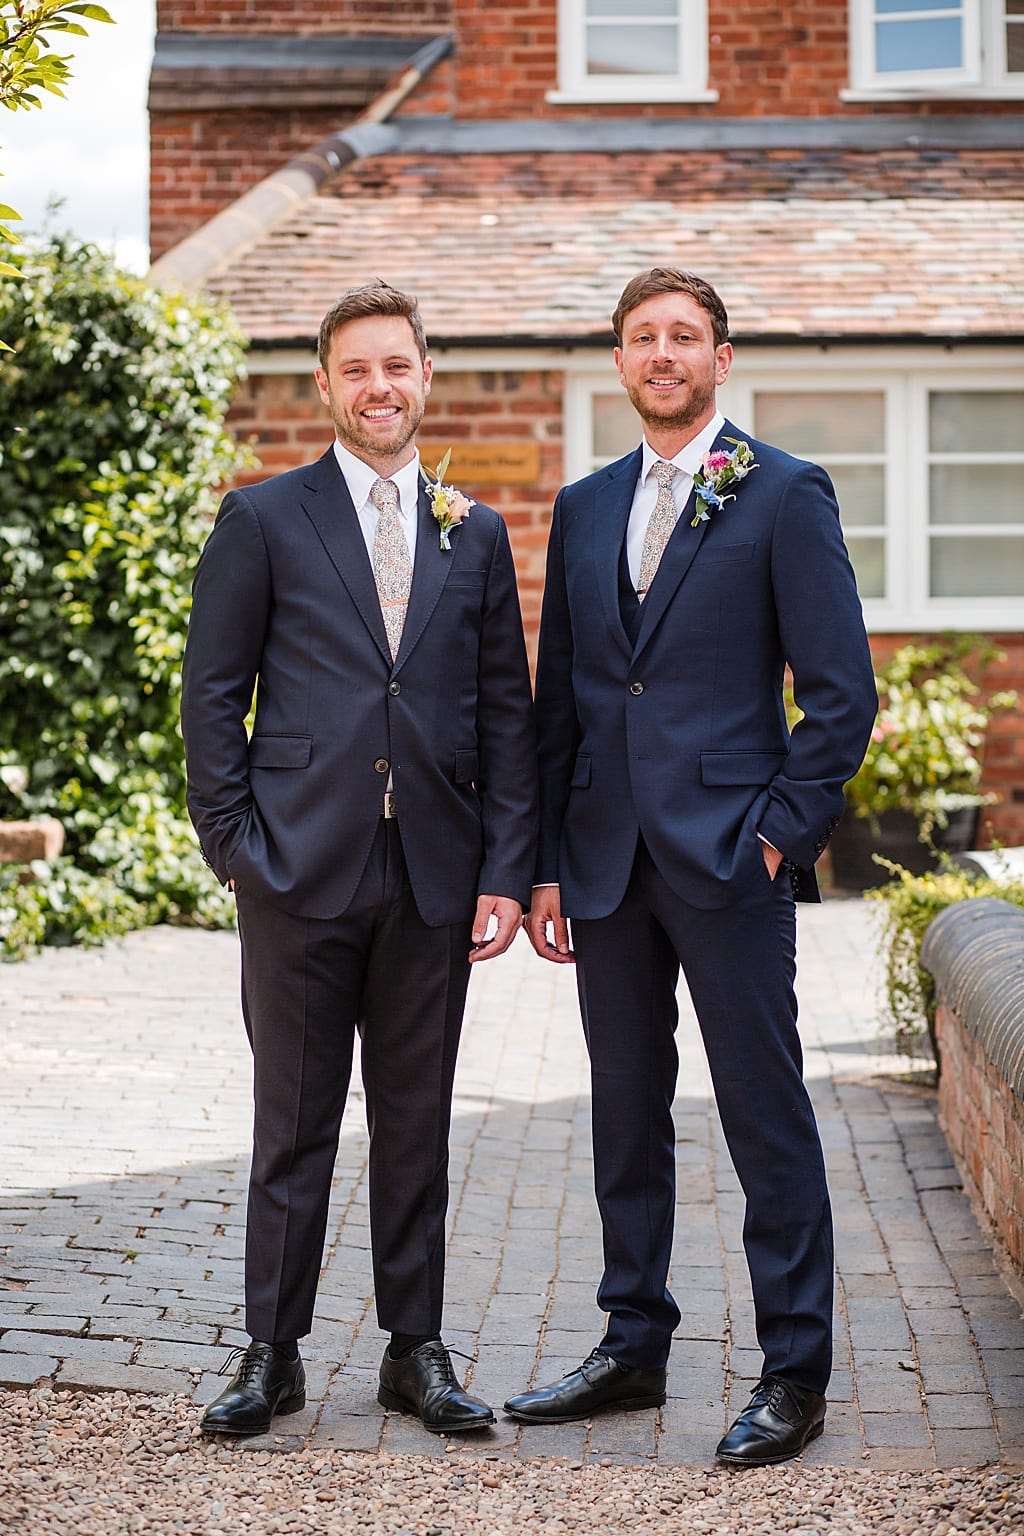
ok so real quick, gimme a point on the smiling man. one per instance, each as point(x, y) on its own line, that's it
point(678, 821)
point(378, 831)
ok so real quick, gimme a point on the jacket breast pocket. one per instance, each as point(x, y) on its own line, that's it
point(280, 751)
point(466, 579)
point(723, 554)
point(740, 767)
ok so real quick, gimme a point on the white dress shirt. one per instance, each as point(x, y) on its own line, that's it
point(687, 462)
point(360, 479)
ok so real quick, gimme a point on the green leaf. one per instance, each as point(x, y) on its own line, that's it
point(93, 12)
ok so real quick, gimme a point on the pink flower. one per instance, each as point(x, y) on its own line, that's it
point(715, 462)
point(458, 505)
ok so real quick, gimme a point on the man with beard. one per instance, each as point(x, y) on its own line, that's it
point(679, 819)
point(377, 826)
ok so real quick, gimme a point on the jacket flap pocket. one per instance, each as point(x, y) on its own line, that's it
point(466, 578)
point(722, 553)
point(280, 751)
point(581, 772)
point(740, 767)
point(466, 765)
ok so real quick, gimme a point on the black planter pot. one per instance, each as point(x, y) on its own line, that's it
point(897, 838)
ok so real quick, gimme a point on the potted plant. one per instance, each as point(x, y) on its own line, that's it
point(918, 787)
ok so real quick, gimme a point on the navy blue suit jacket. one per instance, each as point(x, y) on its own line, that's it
point(683, 736)
point(284, 602)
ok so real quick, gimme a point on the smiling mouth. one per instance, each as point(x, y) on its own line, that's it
point(380, 413)
point(665, 383)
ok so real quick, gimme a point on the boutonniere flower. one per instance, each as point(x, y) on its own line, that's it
point(448, 505)
point(719, 470)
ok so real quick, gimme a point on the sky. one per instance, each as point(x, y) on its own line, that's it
point(92, 149)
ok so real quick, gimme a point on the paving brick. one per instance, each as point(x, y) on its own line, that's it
point(965, 1447)
point(896, 1430)
point(107, 1376)
point(25, 1370)
point(961, 1410)
point(525, 1251)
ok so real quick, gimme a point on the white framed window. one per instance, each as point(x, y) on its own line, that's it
point(632, 50)
point(906, 48)
point(926, 452)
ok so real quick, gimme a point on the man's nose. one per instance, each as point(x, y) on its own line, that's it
point(379, 383)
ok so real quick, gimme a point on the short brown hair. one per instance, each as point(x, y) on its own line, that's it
point(670, 280)
point(376, 298)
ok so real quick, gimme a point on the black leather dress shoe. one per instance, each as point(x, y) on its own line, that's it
point(264, 1384)
point(775, 1425)
point(600, 1382)
point(425, 1383)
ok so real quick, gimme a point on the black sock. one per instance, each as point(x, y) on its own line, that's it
point(403, 1344)
point(288, 1349)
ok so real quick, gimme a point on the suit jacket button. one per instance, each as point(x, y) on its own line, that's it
point(636, 687)
point(381, 765)
point(394, 688)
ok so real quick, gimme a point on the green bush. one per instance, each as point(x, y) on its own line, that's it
point(114, 402)
point(926, 747)
point(909, 903)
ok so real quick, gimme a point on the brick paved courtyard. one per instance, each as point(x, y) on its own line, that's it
point(124, 1148)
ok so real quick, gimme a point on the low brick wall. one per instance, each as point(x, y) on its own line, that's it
point(975, 952)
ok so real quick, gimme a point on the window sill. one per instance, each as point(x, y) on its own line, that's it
point(937, 93)
point(624, 96)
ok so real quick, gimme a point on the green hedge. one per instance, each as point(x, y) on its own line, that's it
point(114, 402)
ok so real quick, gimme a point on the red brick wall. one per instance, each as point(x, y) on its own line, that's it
point(984, 1125)
point(301, 17)
point(763, 60)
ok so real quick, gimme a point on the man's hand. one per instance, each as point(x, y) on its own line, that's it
point(509, 915)
point(546, 908)
point(772, 859)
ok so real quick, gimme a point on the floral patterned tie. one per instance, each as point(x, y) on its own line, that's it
point(392, 567)
point(659, 526)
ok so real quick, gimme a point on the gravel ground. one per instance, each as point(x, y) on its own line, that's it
point(100, 1464)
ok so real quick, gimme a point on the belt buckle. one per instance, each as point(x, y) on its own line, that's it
point(389, 812)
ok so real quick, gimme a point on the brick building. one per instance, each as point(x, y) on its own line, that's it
point(849, 173)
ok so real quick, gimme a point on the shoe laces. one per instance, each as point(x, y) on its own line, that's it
point(441, 1354)
point(247, 1358)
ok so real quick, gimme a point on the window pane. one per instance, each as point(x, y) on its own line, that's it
point(977, 493)
point(1015, 47)
point(861, 492)
point(910, 46)
point(631, 10)
point(631, 50)
point(868, 556)
point(1015, 7)
point(977, 567)
point(976, 421)
point(616, 428)
point(810, 424)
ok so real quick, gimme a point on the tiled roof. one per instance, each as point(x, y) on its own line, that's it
point(510, 259)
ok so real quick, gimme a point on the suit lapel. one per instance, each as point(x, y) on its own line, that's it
point(329, 508)
point(611, 514)
point(429, 574)
point(677, 559)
